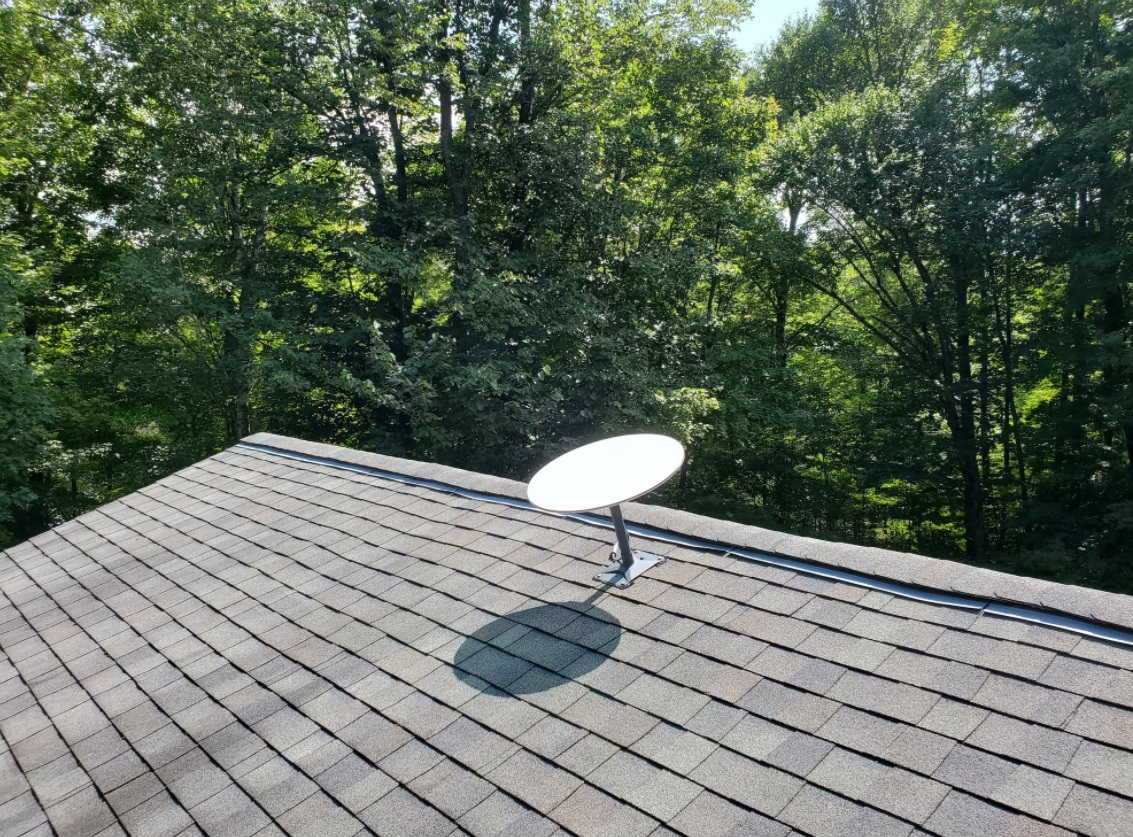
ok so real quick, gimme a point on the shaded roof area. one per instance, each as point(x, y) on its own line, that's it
point(263, 644)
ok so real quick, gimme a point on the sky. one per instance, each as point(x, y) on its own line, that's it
point(767, 18)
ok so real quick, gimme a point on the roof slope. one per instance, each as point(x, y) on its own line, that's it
point(261, 643)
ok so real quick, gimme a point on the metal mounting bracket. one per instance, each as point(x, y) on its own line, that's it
point(626, 565)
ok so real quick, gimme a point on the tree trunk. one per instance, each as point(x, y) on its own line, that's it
point(967, 461)
point(400, 177)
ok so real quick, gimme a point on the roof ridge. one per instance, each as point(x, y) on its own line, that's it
point(1096, 613)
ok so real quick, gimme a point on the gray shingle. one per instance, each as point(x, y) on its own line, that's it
point(589, 811)
point(21, 814)
point(1104, 767)
point(709, 815)
point(551, 737)
point(759, 787)
point(659, 697)
point(499, 815)
point(318, 815)
point(726, 682)
point(974, 771)
point(536, 782)
point(452, 789)
point(895, 700)
point(471, 744)
point(825, 815)
point(277, 786)
point(1034, 792)
point(1027, 700)
point(857, 730)
point(586, 755)
point(355, 783)
point(231, 810)
point(1037, 745)
point(1095, 813)
point(960, 815)
point(1109, 724)
point(158, 816)
point(831, 714)
point(613, 720)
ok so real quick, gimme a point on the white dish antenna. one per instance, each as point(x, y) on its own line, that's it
point(608, 473)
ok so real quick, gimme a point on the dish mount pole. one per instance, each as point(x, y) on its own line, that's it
point(626, 565)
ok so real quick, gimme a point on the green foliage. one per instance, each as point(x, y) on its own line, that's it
point(875, 279)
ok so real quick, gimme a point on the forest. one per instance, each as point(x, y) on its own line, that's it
point(875, 277)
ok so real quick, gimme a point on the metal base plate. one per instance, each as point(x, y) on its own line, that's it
point(621, 576)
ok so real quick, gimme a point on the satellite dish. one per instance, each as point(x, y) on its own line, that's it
point(608, 473)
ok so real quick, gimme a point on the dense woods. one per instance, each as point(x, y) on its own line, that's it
point(876, 277)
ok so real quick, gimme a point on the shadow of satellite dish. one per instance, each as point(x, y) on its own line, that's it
point(537, 649)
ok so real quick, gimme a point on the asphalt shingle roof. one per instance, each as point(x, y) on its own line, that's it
point(261, 645)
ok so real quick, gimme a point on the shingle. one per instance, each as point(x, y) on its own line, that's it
point(715, 720)
point(1034, 792)
point(117, 772)
point(954, 719)
point(799, 753)
point(960, 815)
point(825, 815)
point(896, 700)
point(1095, 813)
point(723, 645)
point(317, 752)
point(788, 705)
point(918, 750)
point(860, 731)
point(1109, 724)
point(499, 815)
point(770, 627)
point(726, 682)
point(232, 810)
point(334, 709)
point(974, 771)
point(452, 789)
point(354, 783)
point(708, 815)
point(601, 673)
point(1104, 767)
point(471, 744)
point(640, 654)
point(284, 728)
point(502, 712)
point(780, 599)
point(586, 755)
point(763, 788)
point(675, 748)
point(660, 697)
point(82, 814)
point(158, 816)
point(410, 760)
point(756, 737)
point(539, 784)
point(620, 723)
point(951, 678)
point(317, 816)
point(589, 811)
point(38, 749)
point(20, 814)
point(547, 690)
point(277, 786)
point(1027, 700)
point(1037, 745)
point(232, 744)
point(551, 737)
point(893, 629)
point(134, 793)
